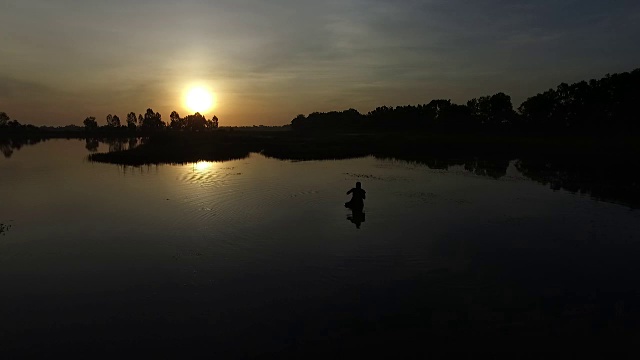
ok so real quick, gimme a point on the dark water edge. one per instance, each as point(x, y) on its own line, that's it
point(601, 168)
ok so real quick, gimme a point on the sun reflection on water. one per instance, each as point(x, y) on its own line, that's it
point(202, 166)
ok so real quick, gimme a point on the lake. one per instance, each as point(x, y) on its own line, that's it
point(259, 258)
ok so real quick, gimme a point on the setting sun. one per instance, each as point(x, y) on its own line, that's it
point(199, 100)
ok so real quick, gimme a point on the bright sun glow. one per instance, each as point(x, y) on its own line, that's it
point(199, 100)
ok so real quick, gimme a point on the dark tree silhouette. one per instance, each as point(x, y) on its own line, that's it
point(177, 123)
point(152, 121)
point(347, 119)
point(174, 116)
point(115, 121)
point(600, 106)
point(299, 122)
point(90, 123)
point(4, 119)
point(131, 120)
point(597, 107)
point(492, 111)
point(213, 123)
point(14, 124)
point(195, 122)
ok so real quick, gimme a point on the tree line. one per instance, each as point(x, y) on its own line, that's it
point(151, 121)
point(6, 123)
point(606, 105)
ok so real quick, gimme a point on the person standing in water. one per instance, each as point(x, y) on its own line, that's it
point(357, 197)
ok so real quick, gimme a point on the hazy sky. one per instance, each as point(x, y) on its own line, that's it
point(267, 61)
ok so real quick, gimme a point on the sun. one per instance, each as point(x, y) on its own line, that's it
point(199, 99)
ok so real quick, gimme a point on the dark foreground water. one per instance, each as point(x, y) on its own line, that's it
point(258, 257)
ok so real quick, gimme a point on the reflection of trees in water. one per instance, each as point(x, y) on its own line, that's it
point(92, 144)
point(9, 145)
point(610, 179)
point(146, 169)
point(114, 144)
point(176, 150)
point(489, 167)
point(133, 142)
point(6, 149)
point(607, 179)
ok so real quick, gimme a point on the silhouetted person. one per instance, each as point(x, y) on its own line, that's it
point(357, 198)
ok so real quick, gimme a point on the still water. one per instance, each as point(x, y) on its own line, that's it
point(259, 257)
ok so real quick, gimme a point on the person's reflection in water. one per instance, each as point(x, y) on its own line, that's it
point(356, 204)
point(356, 217)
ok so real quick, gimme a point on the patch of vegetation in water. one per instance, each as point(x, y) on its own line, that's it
point(4, 228)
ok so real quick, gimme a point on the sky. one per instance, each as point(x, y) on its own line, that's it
point(267, 61)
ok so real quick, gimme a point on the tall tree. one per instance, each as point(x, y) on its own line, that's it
point(131, 120)
point(174, 116)
point(90, 123)
point(4, 118)
point(195, 122)
point(158, 123)
point(214, 122)
point(115, 122)
point(492, 111)
point(152, 121)
point(176, 122)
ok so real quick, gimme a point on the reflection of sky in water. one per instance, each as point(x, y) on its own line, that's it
point(266, 243)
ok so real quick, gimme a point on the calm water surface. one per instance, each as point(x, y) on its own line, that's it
point(259, 257)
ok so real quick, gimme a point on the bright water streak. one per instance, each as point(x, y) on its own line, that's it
point(262, 250)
